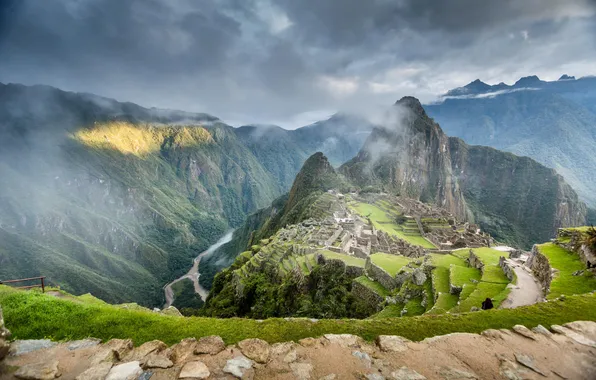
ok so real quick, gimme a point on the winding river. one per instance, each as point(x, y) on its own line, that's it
point(193, 274)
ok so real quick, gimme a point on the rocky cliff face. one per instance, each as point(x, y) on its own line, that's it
point(513, 198)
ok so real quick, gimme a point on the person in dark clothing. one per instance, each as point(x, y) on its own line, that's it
point(487, 304)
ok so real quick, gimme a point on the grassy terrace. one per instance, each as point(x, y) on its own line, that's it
point(566, 263)
point(349, 260)
point(31, 315)
point(373, 285)
point(390, 263)
point(493, 283)
point(384, 222)
point(440, 278)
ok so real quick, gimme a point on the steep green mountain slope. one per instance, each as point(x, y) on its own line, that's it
point(555, 124)
point(302, 202)
point(112, 198)
point(513, 198)
point(282, 152)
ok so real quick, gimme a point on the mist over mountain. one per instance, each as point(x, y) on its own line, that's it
point(551, 122)
point(515, 199)
point(116, 199)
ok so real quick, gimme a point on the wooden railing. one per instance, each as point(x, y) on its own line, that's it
point(41, 285)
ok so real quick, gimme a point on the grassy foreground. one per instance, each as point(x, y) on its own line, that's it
point(32, 315)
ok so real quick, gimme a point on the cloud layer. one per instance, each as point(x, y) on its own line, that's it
point(289, 62)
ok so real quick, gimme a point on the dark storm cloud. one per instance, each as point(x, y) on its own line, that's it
point(262, 60)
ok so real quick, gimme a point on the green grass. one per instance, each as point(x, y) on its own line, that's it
point(349, 260)
point(459, 275)
point(414, 307)
point(31, 315)
point(440, 277)
point(382, 221)
point(372, 285)
point(493, 283)
point(390, 311)
point(566, 262)
point(390, 263)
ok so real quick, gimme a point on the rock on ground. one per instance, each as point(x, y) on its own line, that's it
point(20, 347)
point(392, 343)
point(98, 372)
point(237, 366)
point(125, 371)
point(493, 354)
point(39, 371)
point(194, 370)
point(255, 349)
point(211, 345)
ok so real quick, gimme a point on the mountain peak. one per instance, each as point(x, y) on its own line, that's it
point(412, 103)
point(567, 77)
point(528, 81)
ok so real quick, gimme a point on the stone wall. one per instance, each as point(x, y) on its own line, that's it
point(364, 293)
point(541, 268)
point(507, 269)
point(350, 270)
point(574, 242)
point(475, 262)
point(380, 275)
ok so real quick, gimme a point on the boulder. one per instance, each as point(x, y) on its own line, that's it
point(524, 331)
point(20, 347)
point(301, 371)
point(211, 345)
point(255, 349)
point(38, 371)
point(344, 340)
point(157, 361)
point(172, 310)
point(405, 373)
point(279, 349)
point(125, 371)
point(183, 350)
point(121, 347)
point(418, 277)
point(97, 372)
point(392, 343)
point(148, 348)
point(194, 370)
point(542, 330)
point(238, 366)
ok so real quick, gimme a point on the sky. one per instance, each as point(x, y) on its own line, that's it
point(289, 62)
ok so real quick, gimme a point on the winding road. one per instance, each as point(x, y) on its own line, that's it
point(527, 291)
point(193, 274)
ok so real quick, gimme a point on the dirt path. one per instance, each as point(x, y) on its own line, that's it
point(527, 291)
point(193, 274)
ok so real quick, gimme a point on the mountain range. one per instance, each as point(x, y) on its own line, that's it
point(115, 199)
point(551, 122)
